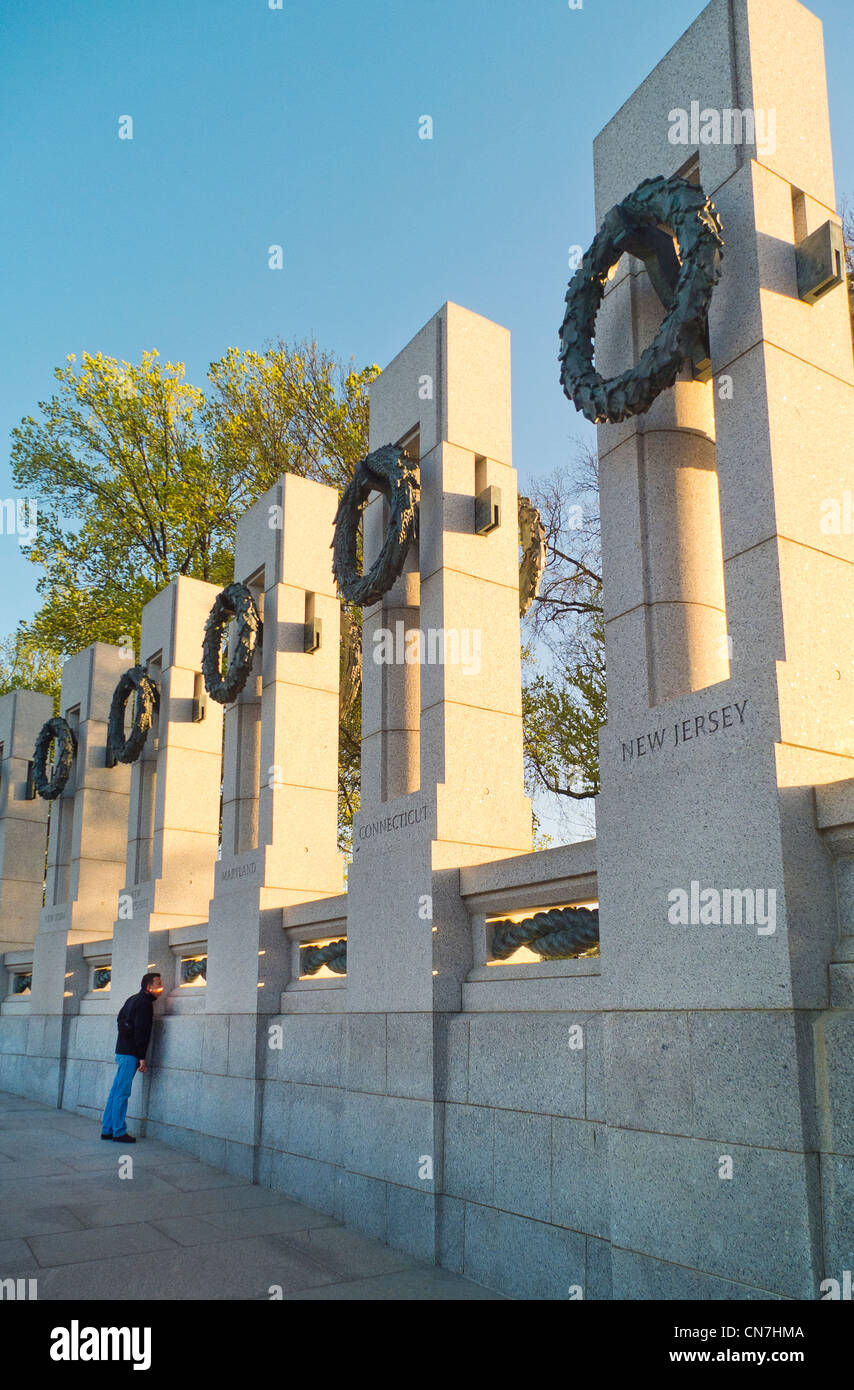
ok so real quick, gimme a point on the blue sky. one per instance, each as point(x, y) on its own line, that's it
point(299, 127)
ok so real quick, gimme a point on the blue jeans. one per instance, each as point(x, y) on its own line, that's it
point(115, 1114)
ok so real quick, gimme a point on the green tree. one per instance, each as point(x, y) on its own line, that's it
point(24, 666)
point(130, 493)
point(140, 476)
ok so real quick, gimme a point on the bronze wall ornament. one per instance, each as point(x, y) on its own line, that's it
point(389, 471)
point(234, 601)
point(561, 933)
point(334, 954)
point(633, 226)
point(532, 538)
point(194, 970)
point(66, 746)
point(146, 702)
point(350, 685)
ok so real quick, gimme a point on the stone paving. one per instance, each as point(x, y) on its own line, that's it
point(178, 1229)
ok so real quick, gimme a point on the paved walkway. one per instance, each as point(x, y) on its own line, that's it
point(178, 1229)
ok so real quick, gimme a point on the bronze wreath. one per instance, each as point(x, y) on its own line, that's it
point(234, 601)
point(561, 933)
point(386, 470)
point(66, 747)
point(633, 226)
point(119, 748)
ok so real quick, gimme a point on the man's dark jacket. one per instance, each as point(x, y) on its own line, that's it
point(134, 1020)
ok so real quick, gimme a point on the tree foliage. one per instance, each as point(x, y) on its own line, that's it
point(140, 476)
point(563, 696)
point(26, 666)
point(130, 493)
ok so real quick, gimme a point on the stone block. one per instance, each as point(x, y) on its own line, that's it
point(312, 1049)
point(239, 1159)
point(756, 1105)
point(215, 1045)
point(522, 1164)
point(409, 1050)
point(304, 1179)
point(595, 1097)
point(411, 1221)
point(305, 1119)
point(242, 1035)
point(180, 1138)
point(226, 1106)
point(175, 1098)
point(640, 1278)
point(360, 1202)
point(364, 1061)
point(275, 1117)
point(522, 1258)
point(579, 1177)
point(451, 1058)
point(648, 1071)
point(598, 1286)
point(179, 1043)
point(387, 1137)
point(755, 1228)
point(450, 1233)
point(211, 1149)
point(524, 1062)
point(837, 1191)
point(469, 1147)
point(835, 1064)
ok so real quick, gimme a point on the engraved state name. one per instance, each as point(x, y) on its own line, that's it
point(239, 871)
point(385, 824)
point(685, 731)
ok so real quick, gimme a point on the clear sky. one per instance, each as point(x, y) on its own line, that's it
point(254, 126)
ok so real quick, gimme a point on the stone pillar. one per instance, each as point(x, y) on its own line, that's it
point(447, 397)
point(173, 825)
point(708, 770)
point(664, 585)
point(280, 780)
point(835, 820)
point(85, 862)
point(23, 821)
point(834, 1038)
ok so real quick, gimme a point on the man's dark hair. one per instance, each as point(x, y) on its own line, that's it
point(149, 979)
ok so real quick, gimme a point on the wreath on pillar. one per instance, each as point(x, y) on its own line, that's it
point(136, 681)
point(684, 284)
point(56, 730)
point(389, 471)
point(234, 601)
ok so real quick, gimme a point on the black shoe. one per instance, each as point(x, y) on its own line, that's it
point(123, 1139)
point(106, 1136)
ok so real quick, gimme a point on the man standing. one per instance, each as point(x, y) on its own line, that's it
point(134, 1031)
